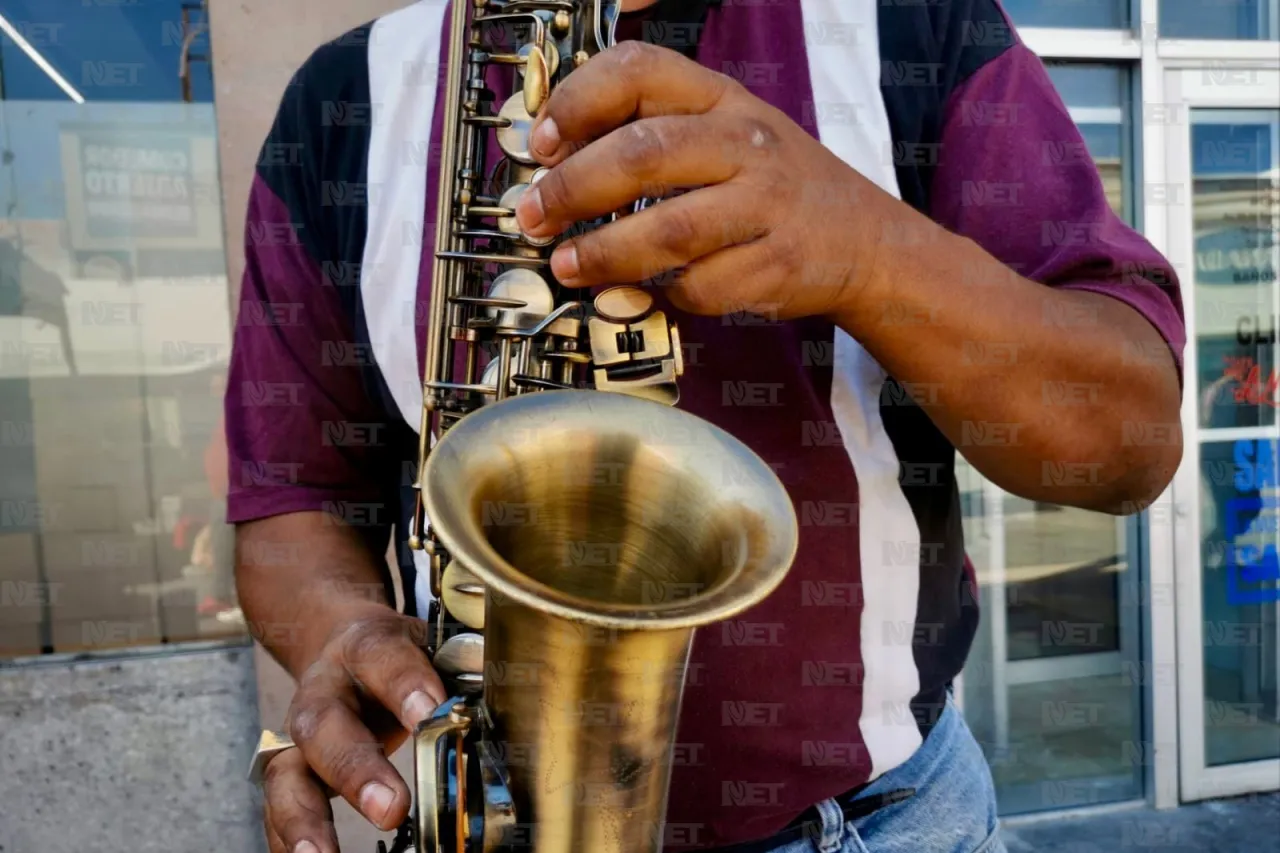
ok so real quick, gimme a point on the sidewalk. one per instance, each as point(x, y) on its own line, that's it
point(1241, 825)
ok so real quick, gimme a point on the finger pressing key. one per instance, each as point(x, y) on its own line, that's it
point(631, 80)
point(344, 754)
point(383, 657)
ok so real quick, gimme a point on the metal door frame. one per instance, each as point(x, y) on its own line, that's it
point(1184, 84)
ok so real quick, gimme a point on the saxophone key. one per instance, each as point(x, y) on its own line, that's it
point(528, 289)
point(507, 222)
point(513, 134)
point(461, 657)
point(625, 304)
point(550, 54)
point(537, 81)
point(463, 596)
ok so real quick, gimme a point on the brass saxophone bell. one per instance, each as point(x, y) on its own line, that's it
point(605, 529)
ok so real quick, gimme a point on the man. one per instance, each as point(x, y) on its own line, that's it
point(872, 191)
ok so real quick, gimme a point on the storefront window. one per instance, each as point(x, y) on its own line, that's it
point(114, 329)
point(1051, 689)
point(1090, 14)
point(1236, 211)
point(1250, 20)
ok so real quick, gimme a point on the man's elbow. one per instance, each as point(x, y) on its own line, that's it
point(1145, 463)
point(1142, 439)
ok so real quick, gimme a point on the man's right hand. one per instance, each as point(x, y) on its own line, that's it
point(366, 692)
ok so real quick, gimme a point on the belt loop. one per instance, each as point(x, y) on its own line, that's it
point(832, 831)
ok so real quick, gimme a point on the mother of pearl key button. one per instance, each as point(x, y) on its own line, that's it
point(623, 304)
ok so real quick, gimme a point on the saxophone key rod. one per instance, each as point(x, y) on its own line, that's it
point(512, 260)
point(470, 388)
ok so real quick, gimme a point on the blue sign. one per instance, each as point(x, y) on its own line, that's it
point(1253, 571)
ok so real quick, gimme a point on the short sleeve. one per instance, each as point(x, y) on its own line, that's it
point(1015, 177)
point(303, 432)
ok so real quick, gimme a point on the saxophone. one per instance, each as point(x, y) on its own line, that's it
point(576, 536)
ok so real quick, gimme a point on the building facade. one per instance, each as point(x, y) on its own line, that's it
point(1119, 660)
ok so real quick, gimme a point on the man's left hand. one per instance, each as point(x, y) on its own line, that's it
point(766, 221)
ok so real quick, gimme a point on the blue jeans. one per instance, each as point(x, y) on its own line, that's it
point(953, 810)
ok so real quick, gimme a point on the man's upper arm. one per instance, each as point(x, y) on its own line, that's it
point(1014, 175)
point(302, 430)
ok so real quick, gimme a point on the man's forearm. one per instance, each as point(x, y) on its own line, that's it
point(301, 576)
point(1047, 392)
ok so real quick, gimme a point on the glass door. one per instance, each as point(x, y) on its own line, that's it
point(1223, 155)
point(1051, 687)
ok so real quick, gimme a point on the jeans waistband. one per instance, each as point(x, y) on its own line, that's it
point(809, 823)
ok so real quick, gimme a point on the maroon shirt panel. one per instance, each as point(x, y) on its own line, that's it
point(785, 677)
point(1015, 176)
point(294, 384)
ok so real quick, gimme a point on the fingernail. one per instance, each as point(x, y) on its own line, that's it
point(305, 847)
point(376, 800)
point(529, 212)
point(564, 263)
point(546, 138)
point(417, 708)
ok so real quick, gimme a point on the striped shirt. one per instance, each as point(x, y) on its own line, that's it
point(839, 676)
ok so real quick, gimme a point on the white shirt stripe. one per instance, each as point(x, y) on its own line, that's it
point(404, 57)
point(853, 124)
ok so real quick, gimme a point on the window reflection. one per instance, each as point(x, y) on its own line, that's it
point(105, 50)
point(1235, 270)
point(1241, 573)
point(1091, 14)
point(1236, 212)
point(1049, 687)
point(1220, 19)
point(114, 332)
point(1063, 563)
